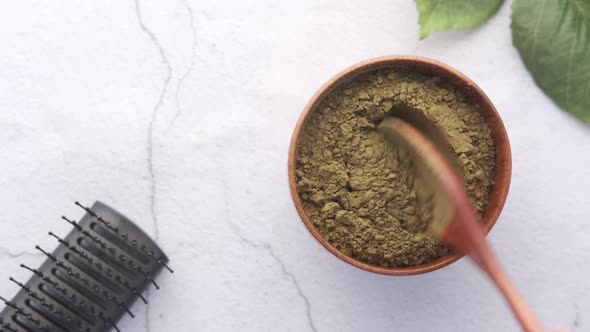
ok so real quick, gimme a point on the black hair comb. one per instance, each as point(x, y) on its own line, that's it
point(90, 281)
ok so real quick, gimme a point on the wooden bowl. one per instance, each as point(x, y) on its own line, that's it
point(426, 66)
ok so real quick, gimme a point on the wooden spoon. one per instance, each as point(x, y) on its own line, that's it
point(442, 198)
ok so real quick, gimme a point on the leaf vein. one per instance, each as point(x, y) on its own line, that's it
point(569, 74)
point(536, 29)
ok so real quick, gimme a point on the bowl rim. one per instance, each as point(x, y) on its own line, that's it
point(503, 171)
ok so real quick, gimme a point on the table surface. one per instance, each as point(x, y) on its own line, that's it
point(179, 114)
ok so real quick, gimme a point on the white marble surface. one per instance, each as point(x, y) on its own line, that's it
point(179, 114)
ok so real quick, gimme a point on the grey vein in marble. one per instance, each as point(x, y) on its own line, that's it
point(150, 150)
point(6, 252)
point(157, 106)
point(270, 251)
point(191, 66)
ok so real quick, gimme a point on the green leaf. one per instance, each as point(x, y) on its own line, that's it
point(438, 15)
point(553, 39)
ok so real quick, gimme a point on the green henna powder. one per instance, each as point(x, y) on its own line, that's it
point(354, 184)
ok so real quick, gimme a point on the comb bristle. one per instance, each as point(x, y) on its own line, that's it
point(104, 292)
point(54, 309)
point(36, 322)
point(7, 326)
point(117, 277)
point(112, 251)
point(90, 280)
point(71, 222)
point(150, 253)
point(73, 248)
point(97, 217)
point(45, 278)
point(62, 290)
point(95, 286)
point(109, 323)
point(8, 303)
point(84, 255)
point(87, 234)
point(165, 265)
point(28, 316)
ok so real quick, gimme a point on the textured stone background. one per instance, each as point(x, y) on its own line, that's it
point(179, 114)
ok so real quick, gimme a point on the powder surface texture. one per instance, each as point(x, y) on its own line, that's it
point(354, 184)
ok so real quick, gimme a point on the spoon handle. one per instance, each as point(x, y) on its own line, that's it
point(521, 310)
point(466, 236)
point(488, 262)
